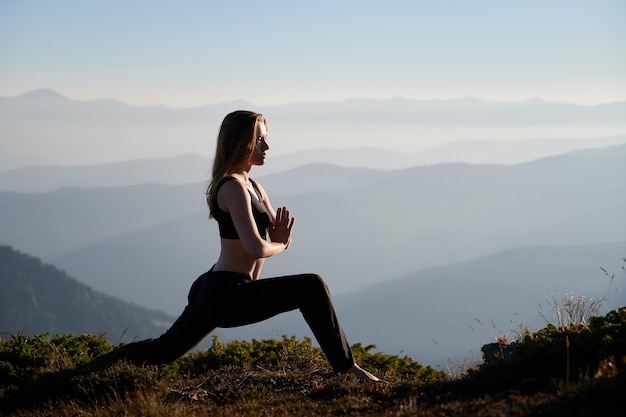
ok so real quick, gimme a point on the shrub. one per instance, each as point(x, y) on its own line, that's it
point(24, 357)
point(564, 352)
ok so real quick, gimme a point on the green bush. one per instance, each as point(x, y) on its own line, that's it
point(404, 366)
point(24, 358)
point(247, 354)
point(570, 365)
point(565, 352)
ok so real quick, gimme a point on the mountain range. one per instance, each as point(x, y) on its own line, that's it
point(356, 227)
point(442, 316)
point(418, 246)
point(45, 128)
point(439, 317)
point(185, 169)
point(38, 298)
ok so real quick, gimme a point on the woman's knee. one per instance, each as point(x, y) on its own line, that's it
point(315, 283)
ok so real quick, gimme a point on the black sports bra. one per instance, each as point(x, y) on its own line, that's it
point(225, 221)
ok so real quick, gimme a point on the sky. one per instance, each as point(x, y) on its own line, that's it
point(187, 53)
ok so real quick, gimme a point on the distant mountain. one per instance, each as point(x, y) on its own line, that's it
point(442, 316)
point(508, 152)
point(356, 227)
point(467, 111)
point(182, 169)
point(45, 128)
point(38, 298)
point(186, 169)
point(439, 316)
point(51, 224)
point(43, 94)
point(438, 313)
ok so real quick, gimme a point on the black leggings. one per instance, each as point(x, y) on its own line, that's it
point(230, 299)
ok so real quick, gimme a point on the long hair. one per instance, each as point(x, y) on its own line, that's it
point(235, 143)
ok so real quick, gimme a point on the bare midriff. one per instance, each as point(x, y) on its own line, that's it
point(233, 257)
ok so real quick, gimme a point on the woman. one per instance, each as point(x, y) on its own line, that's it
point(231, 294)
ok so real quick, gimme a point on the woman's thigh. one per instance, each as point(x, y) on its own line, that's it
point(254, 301)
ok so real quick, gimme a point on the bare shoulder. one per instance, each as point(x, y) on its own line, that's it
point(231, 193)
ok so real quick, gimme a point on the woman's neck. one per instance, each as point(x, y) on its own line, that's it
point(243, 172)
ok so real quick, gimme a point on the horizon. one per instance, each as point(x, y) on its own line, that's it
point(41, 125)
point(197, 53)
point(47, 90)
point(192, 54)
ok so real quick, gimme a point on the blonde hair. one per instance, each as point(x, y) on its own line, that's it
point(235, 143)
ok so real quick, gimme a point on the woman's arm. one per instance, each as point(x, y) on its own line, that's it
point(282, 222)
point(234, 198)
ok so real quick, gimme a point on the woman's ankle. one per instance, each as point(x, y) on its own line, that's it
point(362, 374)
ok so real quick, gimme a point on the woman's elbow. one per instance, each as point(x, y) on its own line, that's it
point(257, 250)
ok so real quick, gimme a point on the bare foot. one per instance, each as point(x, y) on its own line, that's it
point(363, 375)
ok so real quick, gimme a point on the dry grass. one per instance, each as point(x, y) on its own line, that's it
point(574, 367)
point(297, 388)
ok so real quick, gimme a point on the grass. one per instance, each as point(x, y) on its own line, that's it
point(575, 365)
point(573, 370)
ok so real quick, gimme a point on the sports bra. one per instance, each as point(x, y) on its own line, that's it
point(225, 221)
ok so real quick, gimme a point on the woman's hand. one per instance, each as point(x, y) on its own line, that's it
point(280, 229)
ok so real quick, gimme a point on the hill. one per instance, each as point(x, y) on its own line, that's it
point(566, 370)
point(436, 316)
point(186, 169)
point(38, 298)
point(51, 224)
point(441, 316)
point(181, 169)
point(355, 227)
point(45, 128)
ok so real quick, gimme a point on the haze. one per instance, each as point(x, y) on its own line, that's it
point(447, 160)
point(186, 54)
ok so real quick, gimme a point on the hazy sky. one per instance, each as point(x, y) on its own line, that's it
point(188, 53)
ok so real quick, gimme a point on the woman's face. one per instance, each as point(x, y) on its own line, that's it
point(260, 145)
